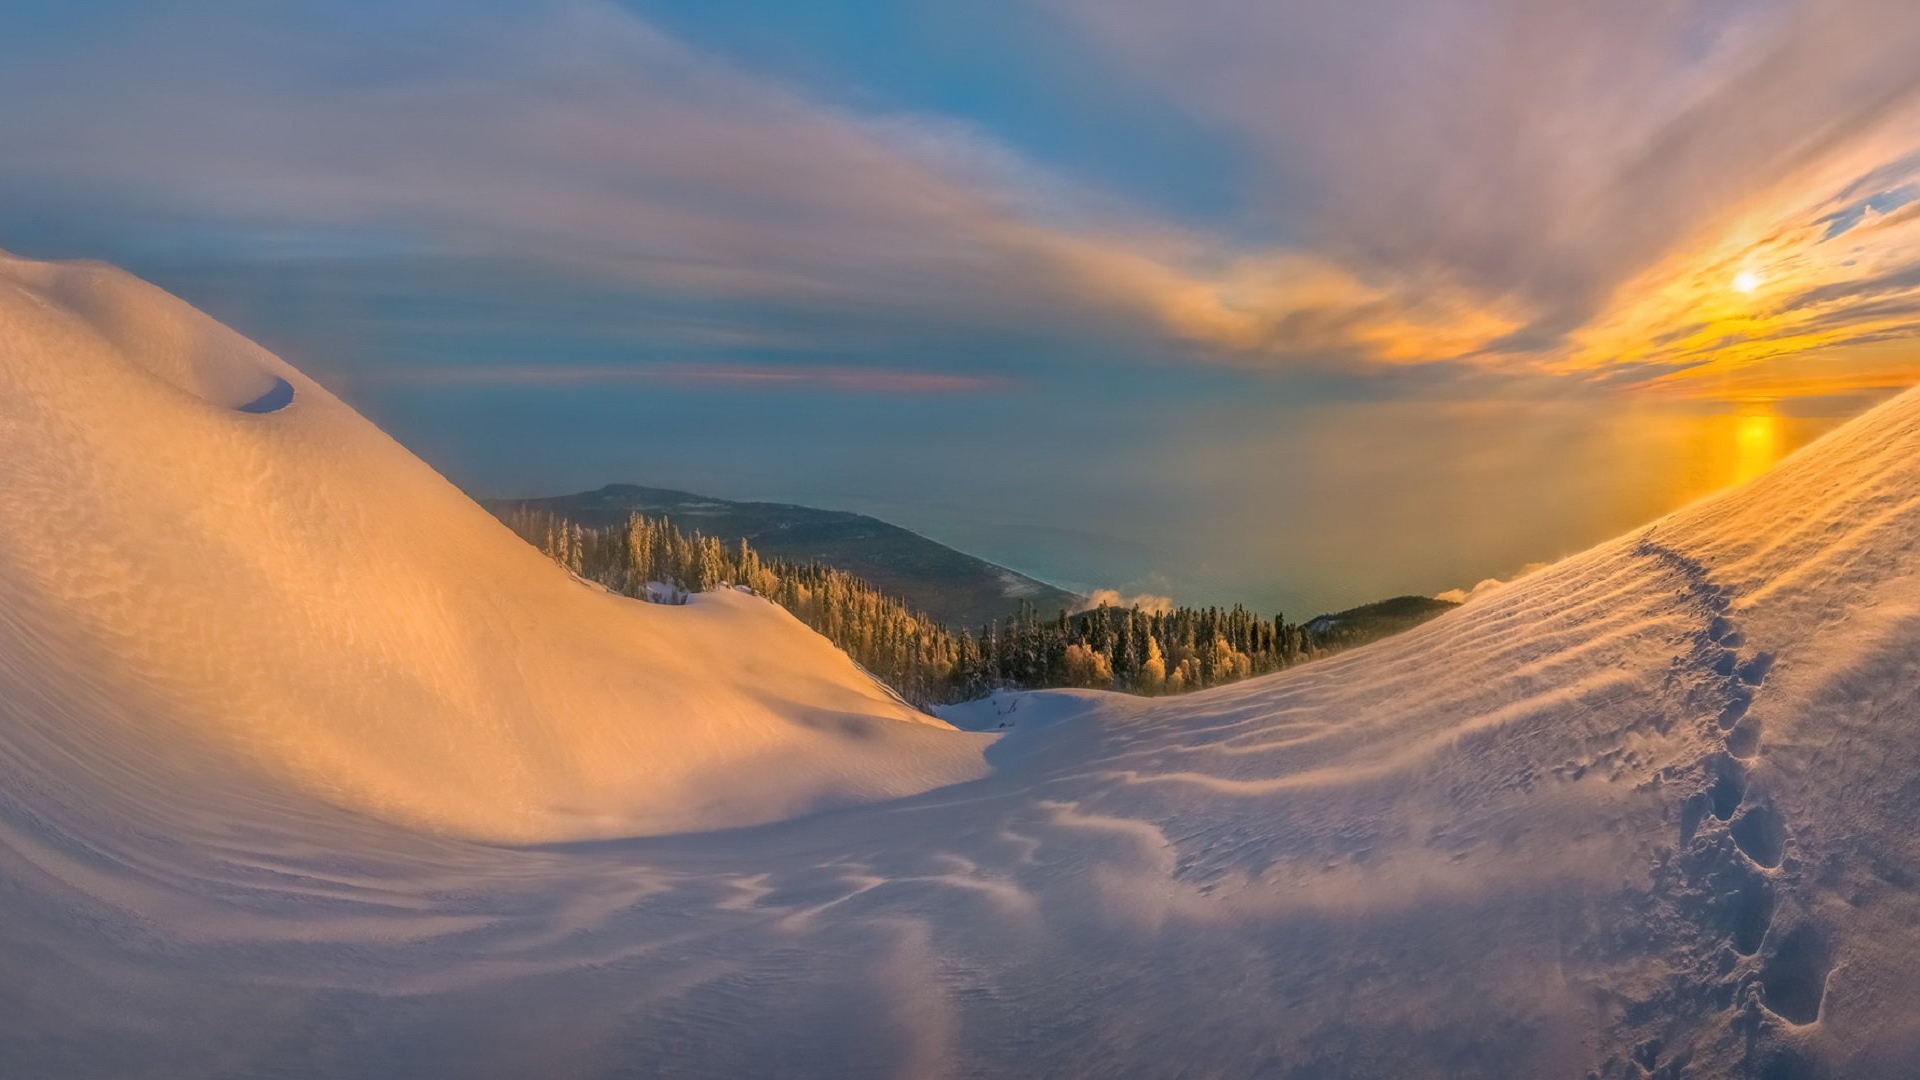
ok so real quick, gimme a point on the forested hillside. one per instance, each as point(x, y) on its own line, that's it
point(954, 587)
point(1130, 649)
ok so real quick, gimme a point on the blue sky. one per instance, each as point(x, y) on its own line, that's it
point(1013, 69)
point(1104, 288)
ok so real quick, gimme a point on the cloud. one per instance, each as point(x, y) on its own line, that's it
point(1479, 186)
point(1113, 598)
point(1487, 585)
point(1867, 210)
point(840, 379)
point(1809, 293)
point(1540, 160)
point(574, 135)
point(571, 134)
point(1903, 279)
point(1547, 149)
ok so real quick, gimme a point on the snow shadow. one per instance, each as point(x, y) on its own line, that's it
point(277, 397)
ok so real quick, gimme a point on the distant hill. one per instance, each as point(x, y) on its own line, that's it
point(1371, 622)
point(952, 586)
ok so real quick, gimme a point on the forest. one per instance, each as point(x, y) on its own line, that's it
point(1107, 648)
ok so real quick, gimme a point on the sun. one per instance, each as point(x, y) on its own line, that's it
point(1746, 281)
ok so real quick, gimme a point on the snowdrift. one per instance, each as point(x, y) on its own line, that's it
point(1650, 812)
point(210, 565)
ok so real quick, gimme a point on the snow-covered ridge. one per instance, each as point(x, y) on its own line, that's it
point(205, 557)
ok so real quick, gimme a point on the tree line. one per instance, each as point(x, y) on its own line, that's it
point(1107, 648)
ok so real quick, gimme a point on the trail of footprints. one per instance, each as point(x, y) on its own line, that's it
point(1735, 845)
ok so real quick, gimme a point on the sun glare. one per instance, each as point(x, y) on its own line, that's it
point(1746, 281)
point(1757, 440)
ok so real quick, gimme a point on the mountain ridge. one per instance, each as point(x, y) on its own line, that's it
point(952, 586)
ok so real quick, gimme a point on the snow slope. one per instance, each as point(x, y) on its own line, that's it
point(1648, 812)
point(293, 594)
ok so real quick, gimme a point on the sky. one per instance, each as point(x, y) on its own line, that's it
point(1294, 304)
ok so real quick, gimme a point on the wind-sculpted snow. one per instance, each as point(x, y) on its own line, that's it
point(1649, 812)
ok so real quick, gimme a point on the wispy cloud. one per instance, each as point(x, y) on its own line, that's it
point(574, 134)
point(839, 379)
point(1777, 292)
point(1549, 162)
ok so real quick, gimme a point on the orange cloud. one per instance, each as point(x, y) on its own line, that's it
point(1781, 302)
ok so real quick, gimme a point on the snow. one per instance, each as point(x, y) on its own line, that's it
point(291, 588)
point(664, 592)
point(293, 741)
